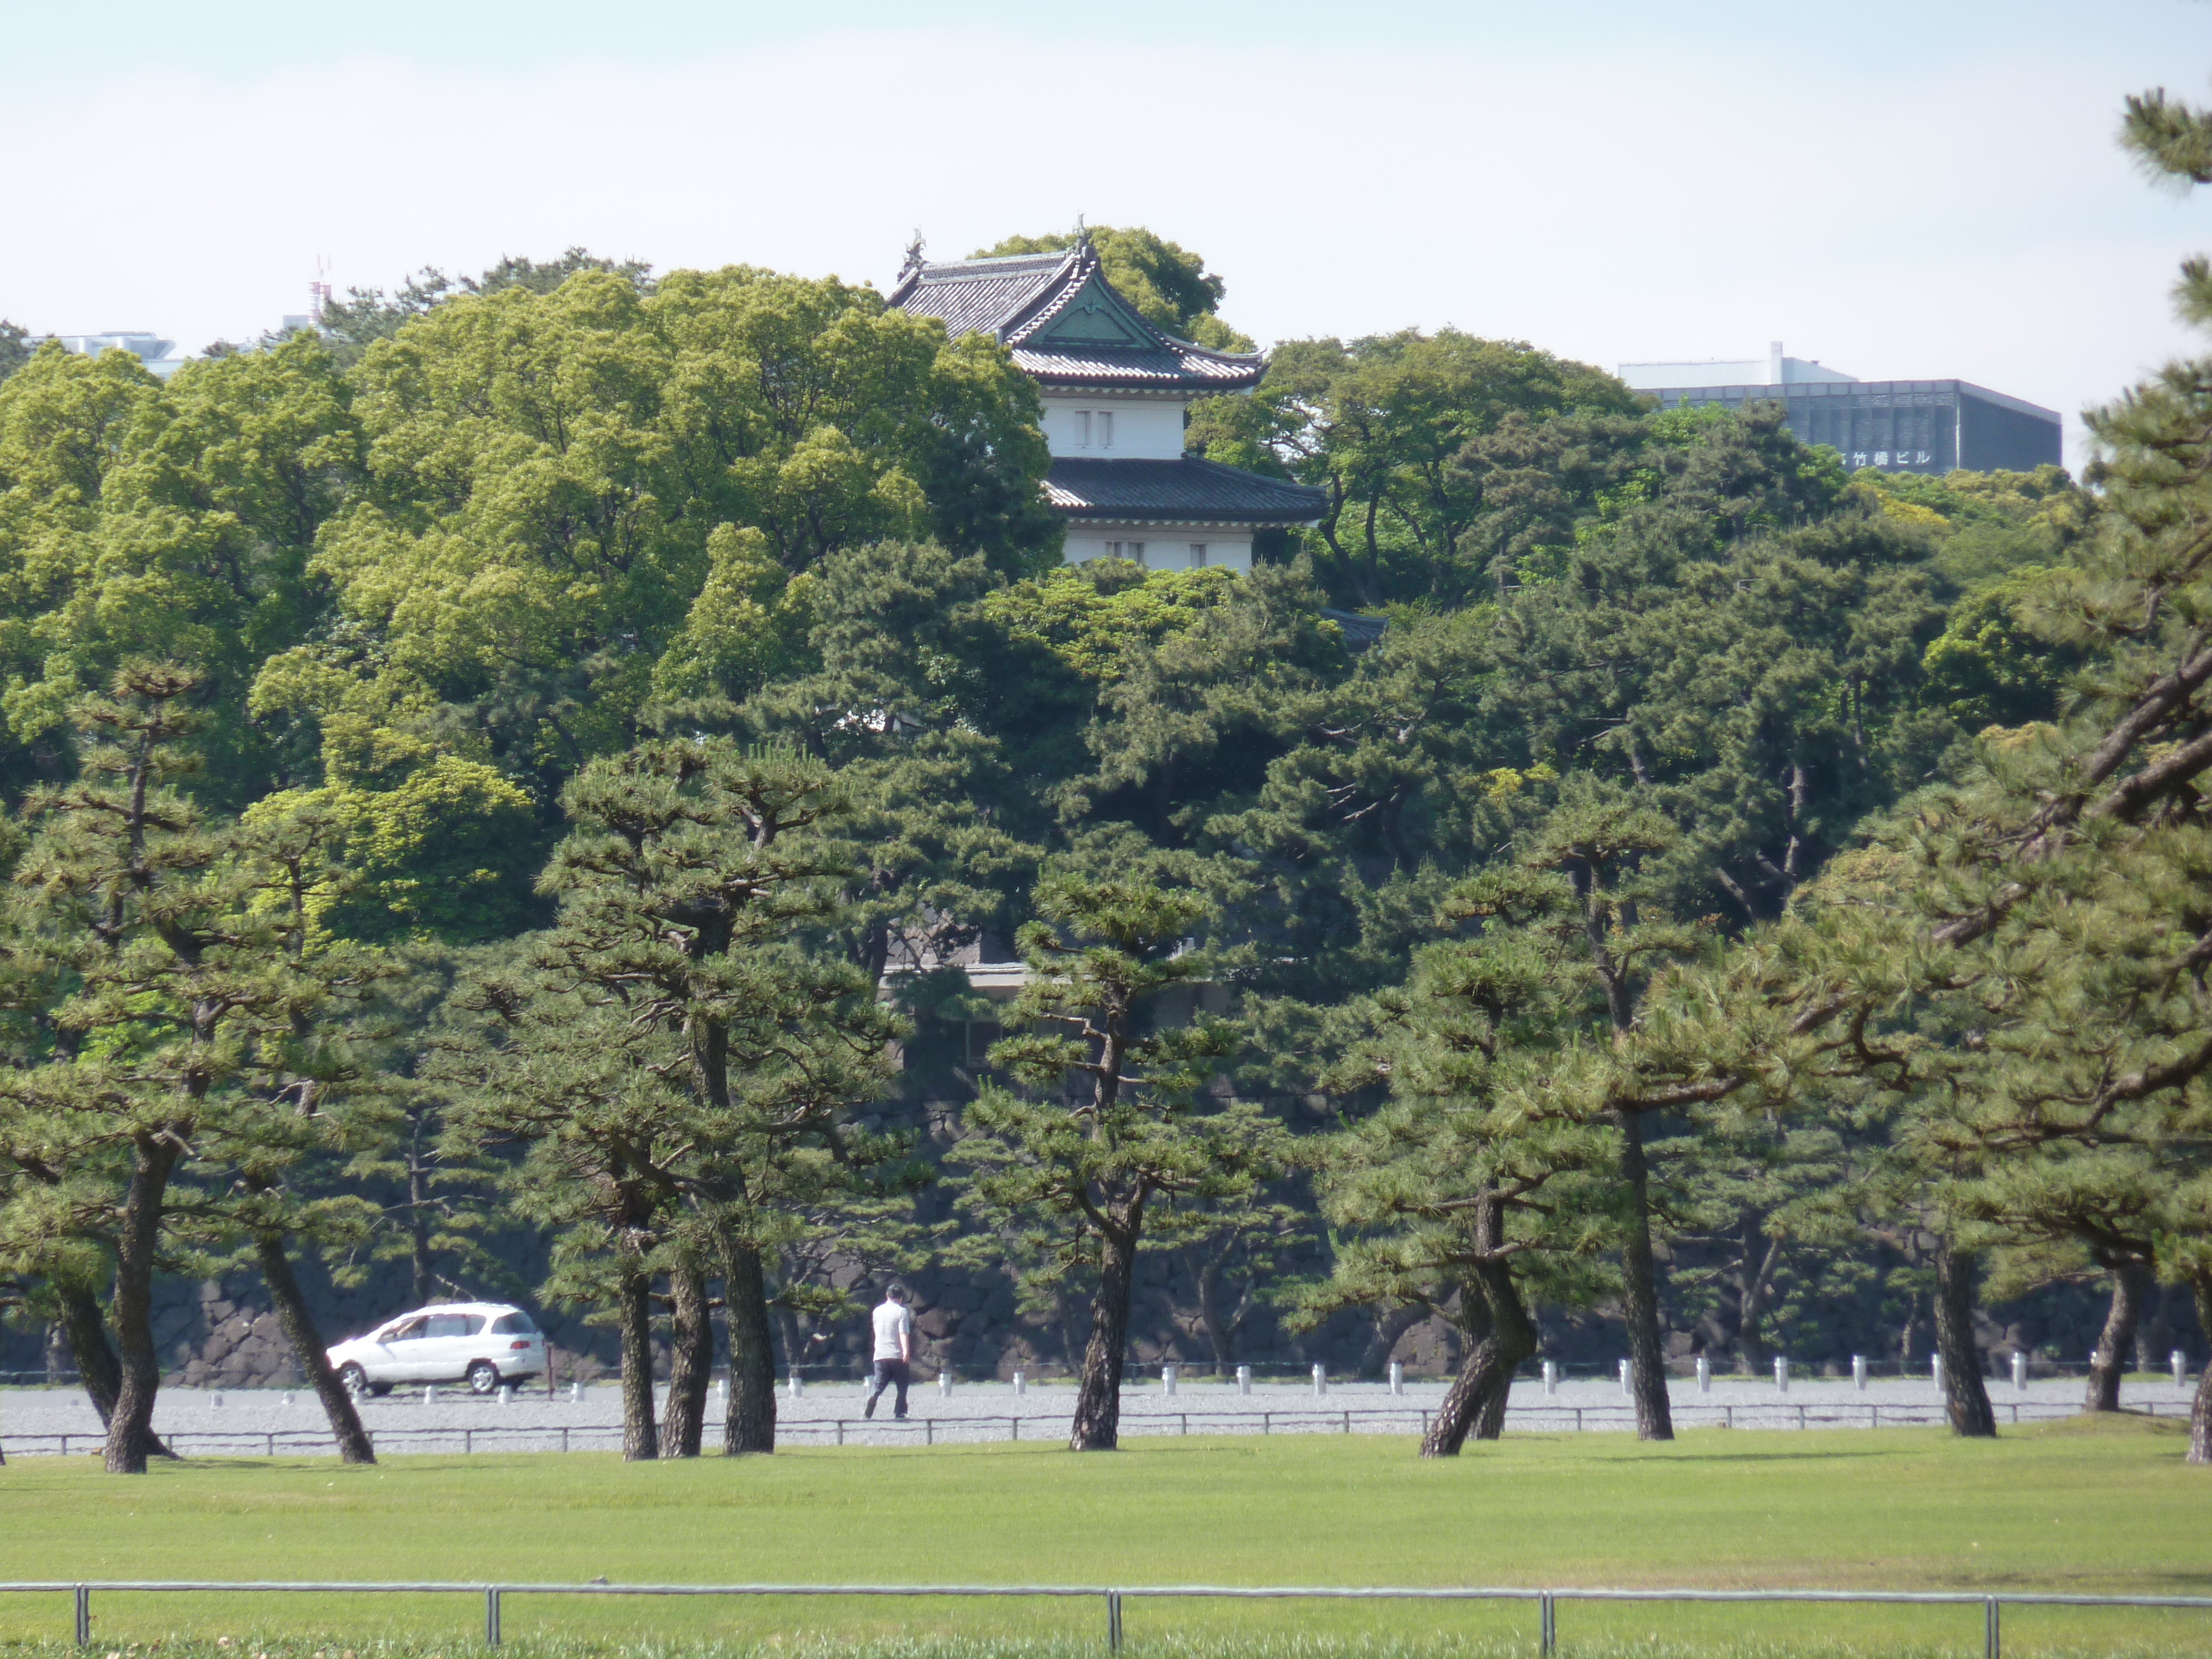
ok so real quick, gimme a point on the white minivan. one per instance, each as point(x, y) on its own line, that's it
point(482, 1344)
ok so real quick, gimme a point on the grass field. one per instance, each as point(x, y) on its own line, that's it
point(2109, 1507)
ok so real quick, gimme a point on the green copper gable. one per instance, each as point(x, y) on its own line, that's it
point(1093, 318)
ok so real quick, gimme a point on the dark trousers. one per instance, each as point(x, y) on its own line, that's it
point(891, 1373)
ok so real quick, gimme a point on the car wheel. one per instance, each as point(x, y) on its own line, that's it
point(483, 1376)
point(355, 1378)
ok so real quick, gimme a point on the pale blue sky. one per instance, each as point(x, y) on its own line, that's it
point(1915, 190)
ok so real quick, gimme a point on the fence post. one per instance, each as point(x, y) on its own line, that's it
point(1992, 1642)
point(1113, 1621)
point(1547, 1630)
point(491, 1616)
point(84, 1615)
point(840, 1430)
point(1017, 1422)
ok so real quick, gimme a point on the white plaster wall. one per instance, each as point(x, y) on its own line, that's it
point(1144, 429)
point(1166, 547)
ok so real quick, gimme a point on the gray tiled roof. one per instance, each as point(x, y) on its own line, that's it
point(1187, 491)
point(1020, 298)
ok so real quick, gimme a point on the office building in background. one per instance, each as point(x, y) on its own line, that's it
point(1897, 426)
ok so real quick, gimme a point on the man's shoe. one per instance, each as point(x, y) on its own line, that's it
point(869, 1410)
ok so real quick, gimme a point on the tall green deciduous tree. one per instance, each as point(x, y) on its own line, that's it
point(1392, 427)
point(1122, 1144)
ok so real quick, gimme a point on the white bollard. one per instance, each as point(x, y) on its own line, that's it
point(1858, 1371)
point(1320, 1379)
point(2019, 1371)
point(1704, 1375)
point(944, 1385)
point(430, 1394)
point(1397, 1378)
point(796, 1387)
point(1551, 1376)
point(2179, 1367)
point(1935, 1368)
point(1782, 1373)
point(1625, 1387)
point(506, 1393)
point(1167, 1380)
point(575, 1389)
point(1243, 1379)
point(722, 1388)
point(1020, 1383)
point(287, 1402)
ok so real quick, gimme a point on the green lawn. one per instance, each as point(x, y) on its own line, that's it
point(2109, 1508)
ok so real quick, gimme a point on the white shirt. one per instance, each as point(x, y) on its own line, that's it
point(892, 1322)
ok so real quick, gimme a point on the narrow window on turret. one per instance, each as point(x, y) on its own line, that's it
point(1083, 428)
point(1137, 552)
point(1197, 555)
point(1105, 429)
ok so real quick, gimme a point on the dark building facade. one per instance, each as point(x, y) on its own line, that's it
point(1902, 425)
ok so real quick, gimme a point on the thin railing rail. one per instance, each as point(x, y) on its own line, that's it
point(1369, 1419)
point(1991, 1602)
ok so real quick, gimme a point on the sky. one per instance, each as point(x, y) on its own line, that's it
point(1900, 191)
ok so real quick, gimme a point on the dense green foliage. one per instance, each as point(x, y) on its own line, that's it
point(649, 690)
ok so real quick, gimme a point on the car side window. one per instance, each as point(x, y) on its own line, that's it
point(513, 1324)
point(452, 1325)
point(409, 1330)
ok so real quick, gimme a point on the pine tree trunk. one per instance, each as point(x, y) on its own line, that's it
point(1097, 1425)
point(85, 1329)
point(2199, 1410)
point(1647, 1357)
point(1966, 1400)
point(137, 1241)
point(692, 1361)
point(750, 1425)
point(1214, 1319)
point(2130, 1281)
point(308, 1346)
point(640, 1443)
point(1477, 1398)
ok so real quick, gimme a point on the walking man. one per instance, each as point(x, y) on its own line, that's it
point(894, 1350)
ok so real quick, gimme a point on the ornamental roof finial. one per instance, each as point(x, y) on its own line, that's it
point(1083, 237)
point(914, 253)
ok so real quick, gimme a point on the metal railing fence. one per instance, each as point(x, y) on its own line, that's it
point(1547, 1601)
point(1383, 1419)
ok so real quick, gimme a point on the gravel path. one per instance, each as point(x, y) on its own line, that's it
point(208, 1422)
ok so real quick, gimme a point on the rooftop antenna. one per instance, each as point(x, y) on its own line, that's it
point(318, 291)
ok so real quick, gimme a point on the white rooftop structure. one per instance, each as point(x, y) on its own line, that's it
point(1772, 369)
point(158, 354)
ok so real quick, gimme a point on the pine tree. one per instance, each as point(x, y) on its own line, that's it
point(1119, 1145)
